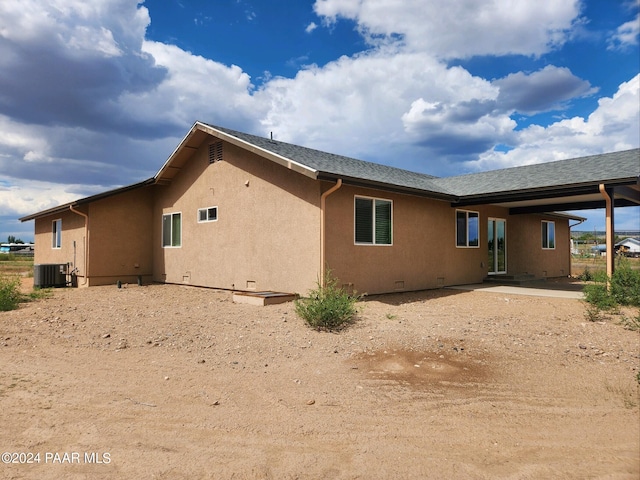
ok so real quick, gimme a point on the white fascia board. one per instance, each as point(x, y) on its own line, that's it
point(274, 157)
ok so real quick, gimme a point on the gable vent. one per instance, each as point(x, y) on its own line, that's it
point(215, 152)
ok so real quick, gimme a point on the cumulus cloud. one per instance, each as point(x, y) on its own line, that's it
point(626, 35)
point(459, 29)
point(541, 91)
point(67, 62)
point(613, 126)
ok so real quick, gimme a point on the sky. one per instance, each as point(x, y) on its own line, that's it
point(96, 95)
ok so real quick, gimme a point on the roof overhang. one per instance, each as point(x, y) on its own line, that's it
point(385, 187)
point(83, 201)
point(624, 192)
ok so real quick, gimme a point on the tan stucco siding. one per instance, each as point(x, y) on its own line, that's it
point(119, 235)
point(424, 253)
point(72, 244)
point(526, 254)
point(121, 232)
point(266, 237)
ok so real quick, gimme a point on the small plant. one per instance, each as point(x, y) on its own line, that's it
point(586, 276)
point(593, 313)
point(632, 323)
point(328, 307)
point(9, 293)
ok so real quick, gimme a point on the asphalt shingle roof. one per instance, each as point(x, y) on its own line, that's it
point(585, 170)
point(341, 166)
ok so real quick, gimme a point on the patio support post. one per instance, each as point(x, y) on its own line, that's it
point(323, 199)
point(607, 193)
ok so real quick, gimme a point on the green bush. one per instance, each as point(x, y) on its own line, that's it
point(597, 293)
point(9, 293)
point(328, 307)
point(625, 284)
point(623, 288)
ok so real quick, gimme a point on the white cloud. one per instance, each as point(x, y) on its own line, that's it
point(32, 196)
point(195, 88)
point(460, 29)
point(311, 27)
point(626, 35)
point(613, 126)
point(86, 27)
point(360, 104)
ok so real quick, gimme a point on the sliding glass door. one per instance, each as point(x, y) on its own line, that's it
point(497, 244)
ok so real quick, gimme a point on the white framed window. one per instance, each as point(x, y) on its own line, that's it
point(467, 229)
point(548, 235)
point(172, 229)
point(373, 221)
point(209, 214)
point(56, 233)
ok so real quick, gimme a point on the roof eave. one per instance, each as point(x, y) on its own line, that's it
point(543, 192)
point(387, 187)
point(85, 200)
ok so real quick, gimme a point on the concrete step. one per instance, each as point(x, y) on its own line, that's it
point(518, 279)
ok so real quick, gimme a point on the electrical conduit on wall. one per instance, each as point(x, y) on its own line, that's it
point(323, 199)
point(86, 243)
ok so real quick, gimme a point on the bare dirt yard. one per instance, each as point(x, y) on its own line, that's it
point(169, 382)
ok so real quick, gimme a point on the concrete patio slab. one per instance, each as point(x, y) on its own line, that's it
point(519, 290)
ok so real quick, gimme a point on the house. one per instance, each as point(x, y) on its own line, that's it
point(241, 212)
point(629, 246)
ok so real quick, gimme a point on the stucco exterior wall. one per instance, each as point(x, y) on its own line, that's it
point(121, 234)
point(527, 255)
point(72, 244)
point(424, 254)
point(267, 235)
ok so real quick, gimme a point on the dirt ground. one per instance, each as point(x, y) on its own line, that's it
point(168, 382)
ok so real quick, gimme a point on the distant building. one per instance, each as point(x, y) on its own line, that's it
point(19, 248)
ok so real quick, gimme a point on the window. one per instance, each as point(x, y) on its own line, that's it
point(373, 222)
point(548, 235)
point(172, 230)
point(467, 229)
point(209, 214)
point(56, 233)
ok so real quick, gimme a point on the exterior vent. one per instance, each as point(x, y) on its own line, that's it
point(47, 275)
point(215, 152)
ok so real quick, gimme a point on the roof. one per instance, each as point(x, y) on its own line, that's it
point(561, 185)
point(632, 240)
point(85, 200)
point(313, 163)
point(617, 168)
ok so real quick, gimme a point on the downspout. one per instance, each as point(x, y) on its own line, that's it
point(323, 199)
point(86, 243)
point(571, 252)
point(608, 229)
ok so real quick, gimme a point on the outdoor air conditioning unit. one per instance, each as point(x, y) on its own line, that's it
point(50, 275)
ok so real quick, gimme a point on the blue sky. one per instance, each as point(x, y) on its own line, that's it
point(94, 95)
